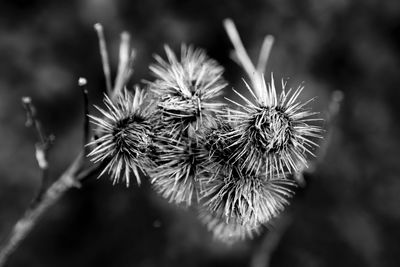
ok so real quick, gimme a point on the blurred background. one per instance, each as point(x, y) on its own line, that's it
point(347, 215)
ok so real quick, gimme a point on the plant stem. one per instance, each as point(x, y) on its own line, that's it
point(104, 56)
point(26, 223)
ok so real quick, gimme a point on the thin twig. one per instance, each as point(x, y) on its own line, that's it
point(47, 196)
point(255, 75)
point(264, 53)
point(76, 173)
point(241, 52)
point(82, 82)
point(72, 177)
point(104, 56)
point(123, 64)
point(31, 119)
point(42, 147)
point(69, 179)
point(25, 224)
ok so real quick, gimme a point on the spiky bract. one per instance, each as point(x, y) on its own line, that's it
point(245, 199)
point(125, 136)
point(187, 88)
point(235, 201)
point(274, 133)
point(216, 142)
point(177, 171)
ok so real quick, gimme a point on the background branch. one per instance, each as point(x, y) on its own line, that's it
point(77, 172)
point(25, 224)
point(46, 196)
point(42, 147)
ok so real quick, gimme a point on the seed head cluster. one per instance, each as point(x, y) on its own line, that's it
point(235, 164)
point(246, 199)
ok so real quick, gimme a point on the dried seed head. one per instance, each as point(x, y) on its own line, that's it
point(125, 136)
point(219, 148)
point(272, 130)
point(177, 171)
point(187, 88)
point(217, 151)
point(243, 198)
point(275, 132)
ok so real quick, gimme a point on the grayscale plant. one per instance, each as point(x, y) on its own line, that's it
point(246, 199)
point(186, 89)
point(274, 131)
point(125, 136)
point(177, 170)
point(237, 200)
point(235, 165)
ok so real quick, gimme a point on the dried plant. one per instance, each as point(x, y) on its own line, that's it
point(186, 90)
point(125, 138)
point(235, 164)
point(274, 133)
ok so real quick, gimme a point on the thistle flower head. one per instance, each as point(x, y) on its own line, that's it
point(243, 198)
point(176, 175)
point(219, 148)
point(125, 136)
point(275, 131)
point(187, 88)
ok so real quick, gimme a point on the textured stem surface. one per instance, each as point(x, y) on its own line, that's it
point(26, 223)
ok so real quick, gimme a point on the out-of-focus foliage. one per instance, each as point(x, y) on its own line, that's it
point(350, 206)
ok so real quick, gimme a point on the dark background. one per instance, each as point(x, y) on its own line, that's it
point(349, 213)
